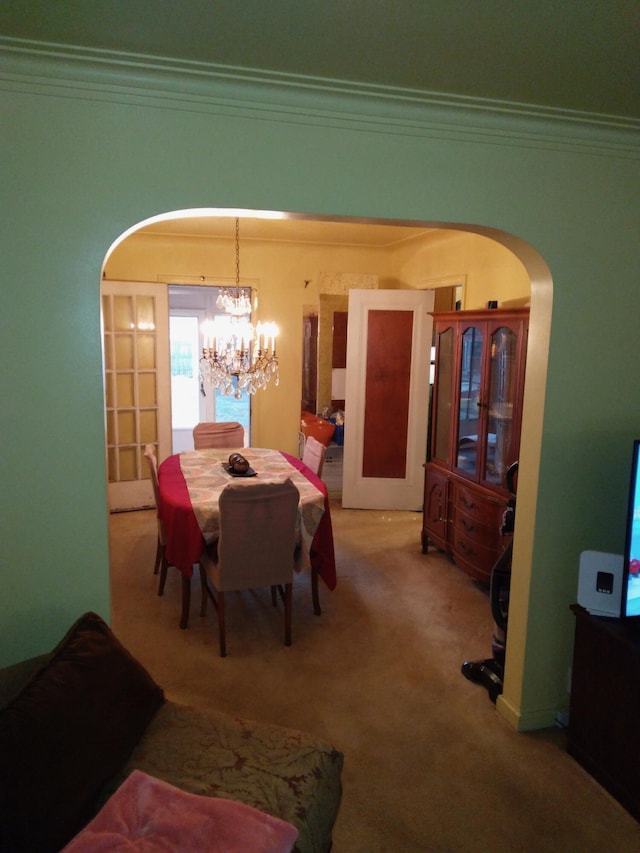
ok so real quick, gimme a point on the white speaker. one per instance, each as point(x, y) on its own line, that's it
point(600, 583)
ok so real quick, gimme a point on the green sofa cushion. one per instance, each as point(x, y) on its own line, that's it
point(284, 772)
point(68, 730)
point(147, 814)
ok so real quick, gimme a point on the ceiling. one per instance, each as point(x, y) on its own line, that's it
point(568, 54)
point(336, 232)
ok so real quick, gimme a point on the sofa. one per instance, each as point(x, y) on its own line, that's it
point(83, 724)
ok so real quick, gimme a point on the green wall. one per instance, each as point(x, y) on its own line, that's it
point(90, 149)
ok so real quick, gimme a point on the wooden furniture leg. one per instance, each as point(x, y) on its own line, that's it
point(186, 600)
point(221, 629)
point(288, 599)
point(159, 549)
point(314, 592)
point(204, 589)
point(164, 565)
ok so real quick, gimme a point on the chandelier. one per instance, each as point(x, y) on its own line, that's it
point(236, 349)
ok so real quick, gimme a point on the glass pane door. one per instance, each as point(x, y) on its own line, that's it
point(192, 398)
point(469, 426)
point(502, 388)
point(134, 319)
point(443, 392)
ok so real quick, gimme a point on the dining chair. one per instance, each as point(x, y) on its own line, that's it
point(161, 562)
point(313, 455)
point(161, 558)
point(255, 547)
point(222, 434)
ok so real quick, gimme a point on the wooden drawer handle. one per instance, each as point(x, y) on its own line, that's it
point(468, 527)
point(469, 505)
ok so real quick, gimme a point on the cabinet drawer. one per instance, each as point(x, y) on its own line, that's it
point(473, 557)
point(473, 528)
point(472, 503)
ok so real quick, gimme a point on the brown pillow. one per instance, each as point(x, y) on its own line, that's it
point(13, 678)
point(66, 733)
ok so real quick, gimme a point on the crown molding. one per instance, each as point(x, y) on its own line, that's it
point(89, 74)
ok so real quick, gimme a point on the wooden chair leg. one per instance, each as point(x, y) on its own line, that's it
point(221, 626)
point(314, 592)
point(156, 565)
point(164, 565)
point(203, 590)
point(186, 600)
point(288, 600)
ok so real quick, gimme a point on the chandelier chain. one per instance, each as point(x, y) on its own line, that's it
point(238, 255)
point(238, 356)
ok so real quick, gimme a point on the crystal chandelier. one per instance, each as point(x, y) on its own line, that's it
point(234, 348)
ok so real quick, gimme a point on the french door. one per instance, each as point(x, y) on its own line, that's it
point(135, 323)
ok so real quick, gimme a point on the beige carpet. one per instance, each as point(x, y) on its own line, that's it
point(429, 764)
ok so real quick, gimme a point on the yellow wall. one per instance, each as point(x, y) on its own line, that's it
point(486, 269)
point(279, 270)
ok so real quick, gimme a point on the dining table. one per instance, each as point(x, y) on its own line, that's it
point(190, 484)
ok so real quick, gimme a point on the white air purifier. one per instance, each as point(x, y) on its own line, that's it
point(600, 583)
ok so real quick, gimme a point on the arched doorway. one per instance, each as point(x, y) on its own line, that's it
point(539, 276)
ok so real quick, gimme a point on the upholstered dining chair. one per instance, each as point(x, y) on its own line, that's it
point(255, 547)
point(161, 563)
point(223, 434)
point(161, 557)
point(313, 455)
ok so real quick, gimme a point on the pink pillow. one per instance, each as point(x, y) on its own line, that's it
point(147, 815)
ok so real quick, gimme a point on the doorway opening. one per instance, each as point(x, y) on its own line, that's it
point(302, 236)
point(193, 400)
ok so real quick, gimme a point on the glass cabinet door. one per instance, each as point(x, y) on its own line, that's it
point(469, 414)
point(443, 397)
point(500, 404)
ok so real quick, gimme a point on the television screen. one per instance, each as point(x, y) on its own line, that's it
point(631, 567)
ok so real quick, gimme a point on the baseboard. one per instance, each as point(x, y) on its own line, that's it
point(543, 718)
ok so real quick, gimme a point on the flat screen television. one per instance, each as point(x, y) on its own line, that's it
point(630, 604)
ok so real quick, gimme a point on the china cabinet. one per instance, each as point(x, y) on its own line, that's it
point(475, 433)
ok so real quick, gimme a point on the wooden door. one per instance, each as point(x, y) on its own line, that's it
point(387, 398)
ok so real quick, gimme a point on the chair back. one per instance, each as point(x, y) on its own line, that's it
point(223, 434)
point(257, 535)
point(313, 455)
point(150, 455)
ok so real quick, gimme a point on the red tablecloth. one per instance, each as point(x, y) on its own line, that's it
point(322, 554)
point(184, 537)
